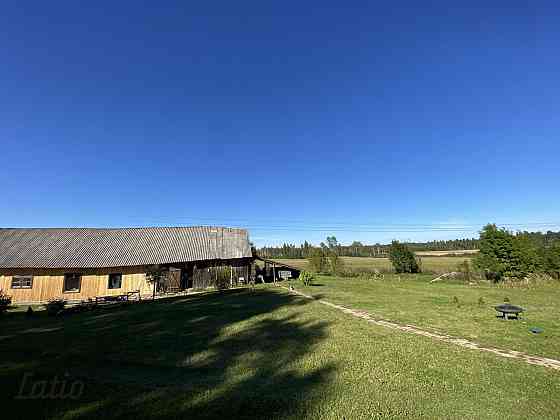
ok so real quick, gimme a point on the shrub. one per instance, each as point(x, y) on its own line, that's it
point(306, 278)
point(524, 259)
point(418, 264)
point(222, 280)
point(336, 263)
point(5, 301)
point(465, 269)
point(503, 254)
point(536, 279)
point(403, 259)
point(495, 250)
point(54, 306)
point(318, 261)
point(551, 260)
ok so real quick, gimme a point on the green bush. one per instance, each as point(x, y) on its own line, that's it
point(539, 279)
point(306, 278)
point(465, 269)
point(403, 259)
point(54, 306)
point(318, 262)
point(551, 260)
point(503, 254)
point(5, 301)
point(525, 258)
point(336, 263)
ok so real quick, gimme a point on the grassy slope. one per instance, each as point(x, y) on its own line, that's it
point(262, 355)
point(412, 299)
point(431, 264)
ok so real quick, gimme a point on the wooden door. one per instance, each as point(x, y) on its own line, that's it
point(173, 280)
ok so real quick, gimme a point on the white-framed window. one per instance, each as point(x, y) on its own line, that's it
point(22, 282)
point(115, 281)
point(72, 283)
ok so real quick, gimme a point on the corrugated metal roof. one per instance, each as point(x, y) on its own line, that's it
point(94, 247)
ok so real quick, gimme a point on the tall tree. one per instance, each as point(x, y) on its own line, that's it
point(551, 259)
point(496, 248)
point(332, 242)
point(503, 254)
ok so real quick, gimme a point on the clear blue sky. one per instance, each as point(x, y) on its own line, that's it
point(290, 118)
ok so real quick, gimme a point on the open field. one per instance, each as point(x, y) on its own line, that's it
point(447, 253)
point(429, 264)
point(268, 354)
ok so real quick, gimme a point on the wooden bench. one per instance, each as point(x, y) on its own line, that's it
point(125, 297)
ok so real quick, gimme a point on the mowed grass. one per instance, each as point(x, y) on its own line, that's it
point(429, 264)
point(265, 355)
point(412, 299)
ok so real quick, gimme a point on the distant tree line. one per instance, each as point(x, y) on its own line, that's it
point(358, 249)
point(450, 245)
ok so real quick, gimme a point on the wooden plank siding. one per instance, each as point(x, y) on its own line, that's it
point(48, 253)
point(48, 283)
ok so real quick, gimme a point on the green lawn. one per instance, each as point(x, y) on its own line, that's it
point(413, 299)
point(429, 264)
point(267, 354)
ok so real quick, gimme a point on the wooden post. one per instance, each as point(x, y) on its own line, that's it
point(193, 275)
point(274, 273)
point(265, 269)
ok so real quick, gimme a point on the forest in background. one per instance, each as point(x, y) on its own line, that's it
point(358, 249)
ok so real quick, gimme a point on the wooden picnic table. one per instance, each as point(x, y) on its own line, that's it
point(509, 311)
point(117, 298)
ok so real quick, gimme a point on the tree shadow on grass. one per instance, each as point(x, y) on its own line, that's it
point(232, 355)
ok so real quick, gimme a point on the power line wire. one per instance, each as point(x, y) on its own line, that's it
point(279, 224)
